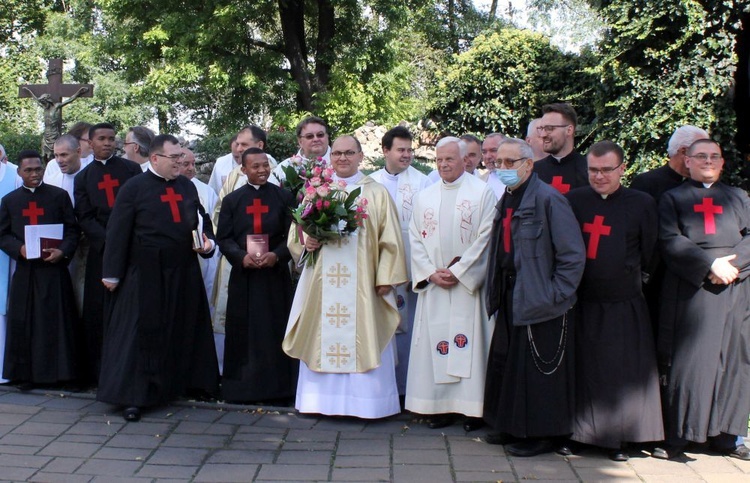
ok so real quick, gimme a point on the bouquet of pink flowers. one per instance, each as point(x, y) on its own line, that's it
point(327, 211)
point(299, 171)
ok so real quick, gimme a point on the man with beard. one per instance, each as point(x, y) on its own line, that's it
point(564, 168)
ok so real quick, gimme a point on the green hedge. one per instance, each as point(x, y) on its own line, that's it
point(14, 143)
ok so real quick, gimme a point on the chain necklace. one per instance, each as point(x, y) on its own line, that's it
point(559, 354)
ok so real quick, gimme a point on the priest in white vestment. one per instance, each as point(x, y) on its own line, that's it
point(208, 199)
point(449, 234)
point(69, 163)
point(403, 182)
point(8, 177)
point(344, 313)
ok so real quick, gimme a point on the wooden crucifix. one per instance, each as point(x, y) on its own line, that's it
point(50, 97)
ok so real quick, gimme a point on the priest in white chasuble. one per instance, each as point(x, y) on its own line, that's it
point(344, 312)
point(449, 235)
point(403, 182)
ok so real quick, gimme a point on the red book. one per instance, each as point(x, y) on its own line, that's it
point(46, 243)
point(257, 245)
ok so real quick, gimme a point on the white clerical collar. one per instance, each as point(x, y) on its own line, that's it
point(455, 183)
point(104, 161)
point(32, 189)
point(707, 185)
point(604, 195)
point(151, 170)
point(256, 186)
point(389, 176)
point(351, 179)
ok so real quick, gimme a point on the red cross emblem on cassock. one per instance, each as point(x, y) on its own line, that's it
point(257, 209)
point(443, 347)
point(709, 210)
point(172, 198)
point(557, 183)
point(108, 184)
point(595, 230)
point(33, 212)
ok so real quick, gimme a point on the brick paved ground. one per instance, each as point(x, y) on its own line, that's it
point(58, 436)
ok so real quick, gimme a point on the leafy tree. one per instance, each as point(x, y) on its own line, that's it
point(667, 63)
point(502, 81)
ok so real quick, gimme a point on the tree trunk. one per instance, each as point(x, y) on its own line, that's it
point(493, 10)
point(452, 26)
point(292, 17)
point(324, 55)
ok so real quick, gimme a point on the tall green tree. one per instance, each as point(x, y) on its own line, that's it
point(502, 81)
point(666, 63)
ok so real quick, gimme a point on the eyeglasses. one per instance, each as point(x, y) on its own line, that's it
point(548, 129)
point(604, 171)
point(173, 158)
point(508, 163)
point(310, 136)
point(703, 157)
point(348, 154)
point(126, 144)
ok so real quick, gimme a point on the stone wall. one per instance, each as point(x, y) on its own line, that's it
point(370, 135)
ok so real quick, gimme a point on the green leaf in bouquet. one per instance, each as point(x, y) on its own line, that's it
point(353, 196)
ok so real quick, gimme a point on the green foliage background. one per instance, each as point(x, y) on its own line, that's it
point(224, 63)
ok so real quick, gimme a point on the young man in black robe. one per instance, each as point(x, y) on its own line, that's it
point(95, 190)
point(158, 341)
point(40, 343)
point(535, 265)
point(564, 168)
point(617, 396)
point(704, 233)
point(260, 286)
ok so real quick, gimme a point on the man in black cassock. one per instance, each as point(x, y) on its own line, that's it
point(260, 286)
point(535, 265)
point(659, 180)
point(704, 326)
point(564, 168)
point(617, 396)
point(40, 343)
point(158, 341)
point(95, 190)
point(656, 182)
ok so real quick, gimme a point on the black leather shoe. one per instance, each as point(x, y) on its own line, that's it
point(472, 424)
point(25, 386)
point(569, 448)
point(500, 438)
point(667, 452)
point(618, 455)
point(131, 414)
point(529, 448)
point(441, 421)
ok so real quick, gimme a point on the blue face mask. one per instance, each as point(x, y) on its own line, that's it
point(509, 177)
